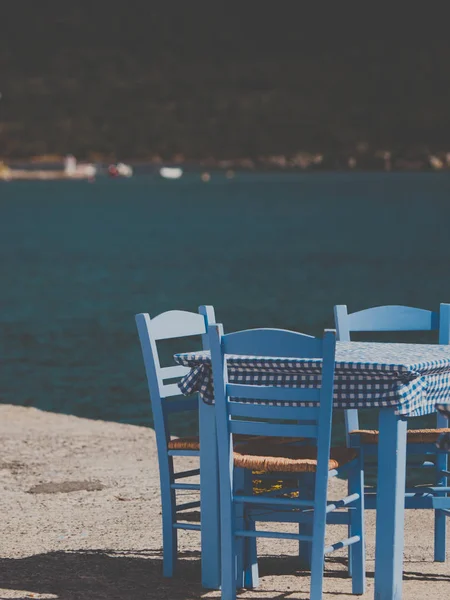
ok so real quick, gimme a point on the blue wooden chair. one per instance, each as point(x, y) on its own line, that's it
point(253, 410)
point(420, 441)
point(169, 325)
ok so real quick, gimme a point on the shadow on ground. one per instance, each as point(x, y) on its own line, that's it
point(99, 574)
point(128, 575)
point(136, 575)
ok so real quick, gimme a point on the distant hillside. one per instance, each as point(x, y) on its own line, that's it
point(141, 81)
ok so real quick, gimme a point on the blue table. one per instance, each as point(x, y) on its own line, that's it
point(401, 380)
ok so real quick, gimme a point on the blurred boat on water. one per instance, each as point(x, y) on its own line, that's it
point(71, 170)
point(120, 170)
point(171, 172)
point(75, 170)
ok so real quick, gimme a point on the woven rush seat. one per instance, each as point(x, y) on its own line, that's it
point(186, 443)
point(415, 436)
point(274, 457)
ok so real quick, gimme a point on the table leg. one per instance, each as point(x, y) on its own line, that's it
point(209, 497)
point(390, 505)
point(440, 518)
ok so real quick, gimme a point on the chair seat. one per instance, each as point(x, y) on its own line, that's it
point(274, 457)
point(415, 436)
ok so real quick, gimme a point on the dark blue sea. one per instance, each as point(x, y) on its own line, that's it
point(78, 260)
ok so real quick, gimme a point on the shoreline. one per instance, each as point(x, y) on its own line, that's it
point(204, 173)
point(102, 539)
point(352, 161)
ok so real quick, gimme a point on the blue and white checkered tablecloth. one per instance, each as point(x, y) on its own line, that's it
point(411, 377)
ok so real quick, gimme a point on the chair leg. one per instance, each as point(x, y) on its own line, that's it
point(209, 498)
point(251, 573)
point(440, 520)
point(440, 530)
point(317, 567)
point(168, 503)
point(305, 492)
point(228, 552)
point(318, 543)
point(357, 554)
point(239, 543)
point(349, 532)
point(390, 505)
point(227, 535)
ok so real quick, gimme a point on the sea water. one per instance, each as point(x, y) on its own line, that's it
point(78, 260)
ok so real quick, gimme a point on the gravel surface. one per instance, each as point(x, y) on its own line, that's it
point(81, 520)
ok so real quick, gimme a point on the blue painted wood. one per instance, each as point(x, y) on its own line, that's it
point(168, 499)
point(444, 323)
point(225, 454)
point(402, 318)
point(272, 342)
point(270, 534)
point(444, 338)
point(285, 343)
point(440, 517)
point(262, 499)
point(238, 409)
point(246, 556)
point(341, 321)
point(239, 517)
point(209, 497)
point(393, 318)
point(323, 453)
point(209, 316)
point(185, 486)
point(352, 497)
point(440, 503)
point(357, 557)
point(170, 325)
point(306, 492)
point(188, 526)
point(251, 571)
point(338, 518)
point(176, 324)
point(390, 506)
point(209, 480)
point(441, 421)
point(429, 501)
point(273, 429)
point(342, 544)
point(266, 392)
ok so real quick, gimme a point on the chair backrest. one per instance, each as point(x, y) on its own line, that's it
point(232, 417)
point(169, 325)
point(389, 318)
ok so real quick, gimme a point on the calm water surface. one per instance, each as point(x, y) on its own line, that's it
point(79, 260)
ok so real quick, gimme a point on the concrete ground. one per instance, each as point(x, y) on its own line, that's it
point(80, 513)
